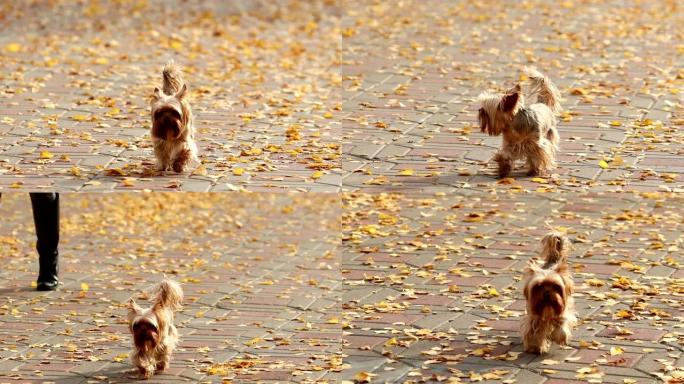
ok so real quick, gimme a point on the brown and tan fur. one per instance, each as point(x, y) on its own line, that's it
point(173, 132)
point(548, 289)
point(154, 335)
point(529, 132)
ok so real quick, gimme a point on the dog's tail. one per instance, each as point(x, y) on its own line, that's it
point(543, 87)
point(555, 247)
point(168, 294)
point(173, 79)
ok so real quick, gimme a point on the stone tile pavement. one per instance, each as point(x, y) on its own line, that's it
point(76, 78)
point(412, 71)
point(260, 274)
point(432, 287)
point(373, 98)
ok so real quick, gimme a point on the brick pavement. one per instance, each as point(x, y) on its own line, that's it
point(412, 71)
point(432, 287)
point(430, 290)
point(261, 290)
point(76, 81)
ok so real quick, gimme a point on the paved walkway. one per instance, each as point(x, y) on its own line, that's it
point(76, 81)
point(376, 99)
point(432, 288)
point(261, 290)
point(412, 71)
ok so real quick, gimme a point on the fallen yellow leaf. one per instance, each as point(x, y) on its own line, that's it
point(13, 47)
point(127, 182)
point(614, 351)
point(200, 171)
point(364, 377)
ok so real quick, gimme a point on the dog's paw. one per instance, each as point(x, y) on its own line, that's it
point(145, 374)
point(533, 349)
point(560, 337)
point(538, 349)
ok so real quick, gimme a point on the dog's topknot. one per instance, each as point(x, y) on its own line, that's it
point(168, 295)
point(543, 87)
point(173, 79)
point(555, 248)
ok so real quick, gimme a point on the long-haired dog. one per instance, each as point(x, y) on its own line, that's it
point(529, 132)
point(154, 335)
point(173, 132)
point(548, 290)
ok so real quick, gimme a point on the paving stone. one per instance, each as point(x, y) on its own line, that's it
point(88, 106)
point(442, 80)
point(437, 284)
point(121, 244)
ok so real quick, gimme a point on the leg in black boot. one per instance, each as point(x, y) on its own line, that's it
point(46, 219)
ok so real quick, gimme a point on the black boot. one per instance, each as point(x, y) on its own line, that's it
point(46, 219)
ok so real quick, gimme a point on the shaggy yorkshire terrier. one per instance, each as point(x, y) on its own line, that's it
point(548, 290)
point(529, 132)
point(173, 133)
point(154, 335)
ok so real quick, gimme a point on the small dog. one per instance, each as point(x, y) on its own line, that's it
point(173, 132)
point(154, 335)
point(548, 290)
point(528, 132)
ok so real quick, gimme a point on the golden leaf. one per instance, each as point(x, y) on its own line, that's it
point(364, 377)
point(200, 171)
point(13, 47)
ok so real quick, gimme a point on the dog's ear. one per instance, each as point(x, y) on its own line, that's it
point(483, 117)
point(133, 308)
point(181, 93)
point(563, 270)
point(511, 100)
point(531, 268)
point(157, 93)
point(569, 285)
